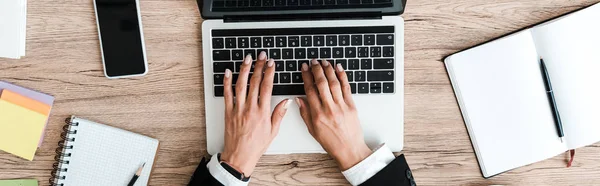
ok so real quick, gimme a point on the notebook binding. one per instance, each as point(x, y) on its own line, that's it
point(63, 152)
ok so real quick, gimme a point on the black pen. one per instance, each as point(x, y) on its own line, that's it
point(552, 100)
point(136, 175)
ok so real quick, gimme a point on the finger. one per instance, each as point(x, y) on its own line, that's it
point(278, 114)
point(242, 82)
point(321, 83)
point(309, 87)
point(256, 78)
point(266, 88)
point(346, 89)
point(334, 83)
point(228, 92)
point(305, 113)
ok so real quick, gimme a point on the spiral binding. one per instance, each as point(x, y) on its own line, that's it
point(63, 152)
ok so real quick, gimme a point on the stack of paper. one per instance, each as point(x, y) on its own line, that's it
point(23, 117)
point(13, 24)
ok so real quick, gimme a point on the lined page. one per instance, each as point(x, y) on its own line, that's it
point(501, 94)
point(104, 155)
point(571, 49)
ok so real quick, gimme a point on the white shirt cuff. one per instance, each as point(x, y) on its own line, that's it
point(370, 166)
point(222, 175)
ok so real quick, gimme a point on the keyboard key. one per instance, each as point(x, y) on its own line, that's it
point(356, 40)
point(366, 64)
point(317, 2)
point(353, 88)
point(267, 3)
point(243, 42)
point(359, 76)
point(343, 62)
point(285, 77)
point(297, 77)
point(330, 2)
point(388, 87)
point(325, 52)
point(291, 66)
point(279, 66)
point(218, 79)
point(304, 2)
point(297, 89)
point(331, 40)
point(312, 53)
point(342, 2)
point(252, 67)
point(363, 88)
point(218, 43)
point(236, 76)
point(255, 42)
point(281, 42)
point(230, 43)
point(383, 63)
point(363, 52)
point(237, 54)
point(380, 75)
point(275, 53)
point(255, 3)
point(219, 90)
point(366, 1)
point(221, 66)
point(293, 41)
point(350, 52)
point(388, 51)
point(306, 41)
point(319, 40)
point(300, 64)
point(350, 76)
point(385, 39)
point(268, 42)
point(354, 2)
point(353, 64)
point(252, 53)
point(375, 51)
point(238, 67)
point(287, 53)
point(230, 3)
point(369, 40)
point(243, 3)
point(344, 40)
point(258, 51)
point(300, 53)
point(279, 2)
point(338, 52)
point(276, 78)
point(375, 87)
point(292, 2)
point(221, 55)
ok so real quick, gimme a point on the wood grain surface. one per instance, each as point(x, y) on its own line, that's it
point(63, 59)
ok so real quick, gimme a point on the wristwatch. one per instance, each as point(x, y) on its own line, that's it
point(232, 171)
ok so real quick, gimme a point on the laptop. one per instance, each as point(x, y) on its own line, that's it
point(365, 36)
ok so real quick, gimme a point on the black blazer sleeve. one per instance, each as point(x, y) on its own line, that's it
point(202, 177)
point(397, 173)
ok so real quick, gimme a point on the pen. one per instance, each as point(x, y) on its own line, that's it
point(552, 100)
point(136, 175)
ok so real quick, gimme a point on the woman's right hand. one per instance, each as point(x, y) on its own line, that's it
point(330, 114)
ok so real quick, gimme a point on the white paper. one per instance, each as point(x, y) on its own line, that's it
point(502, 96)
point(571, 49)
point(12, 28)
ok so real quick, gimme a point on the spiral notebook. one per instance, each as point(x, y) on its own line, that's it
point(96, 154)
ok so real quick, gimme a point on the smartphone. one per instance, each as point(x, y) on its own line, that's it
point(121, 38)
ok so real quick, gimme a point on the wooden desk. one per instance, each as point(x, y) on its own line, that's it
point(63, 59)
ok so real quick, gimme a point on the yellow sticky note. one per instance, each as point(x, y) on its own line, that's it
point(20, 129)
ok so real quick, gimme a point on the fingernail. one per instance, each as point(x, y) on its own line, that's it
point(339, 67)
point(325, 63)
point(227, 73)
point(315, 62)
point(298, 102)
point(304, 67)
point(262, 56)
point(287, 103)
point(248, 59)
point(270, 63)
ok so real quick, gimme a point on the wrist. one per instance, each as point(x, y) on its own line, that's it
point(347, 159)
point(239, 163)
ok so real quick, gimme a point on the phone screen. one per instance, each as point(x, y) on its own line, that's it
point(120, 37)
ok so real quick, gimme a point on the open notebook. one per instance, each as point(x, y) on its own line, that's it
point(96, 154)
point(501, 93)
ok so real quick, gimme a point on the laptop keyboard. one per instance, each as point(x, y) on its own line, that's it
point(262, 5)
point(367, 54)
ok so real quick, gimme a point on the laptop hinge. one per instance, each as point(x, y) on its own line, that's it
point(301, 17)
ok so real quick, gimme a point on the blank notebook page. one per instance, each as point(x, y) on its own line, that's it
point(104, 155)
point(501, 93)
